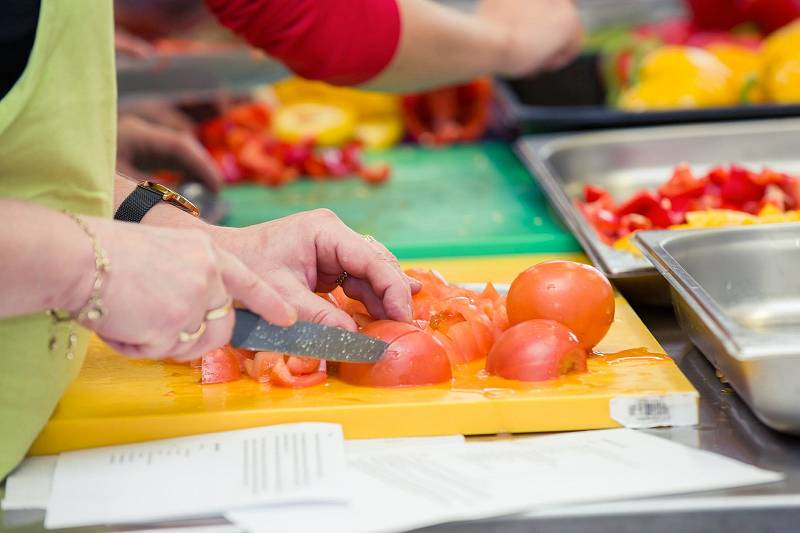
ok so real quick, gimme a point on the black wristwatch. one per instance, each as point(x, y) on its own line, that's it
point(146, 195)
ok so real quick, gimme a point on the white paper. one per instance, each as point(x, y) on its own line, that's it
point(202, 475)
point(397, 491)
point(361, 446)
point(28, 486)
point(639, 412)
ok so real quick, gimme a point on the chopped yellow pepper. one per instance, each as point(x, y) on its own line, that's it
point(328, 125)
point(715, 218)
point(378, 121)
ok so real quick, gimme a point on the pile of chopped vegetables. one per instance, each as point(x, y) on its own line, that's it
point(723, 196)
point(254, 143)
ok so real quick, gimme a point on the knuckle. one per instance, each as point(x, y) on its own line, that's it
point(324, 213)
point(175, 313)
point(196, 288)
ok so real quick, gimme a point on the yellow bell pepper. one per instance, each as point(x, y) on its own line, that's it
point(380, 133)
point(378, 120)
point(680, 77)
point(715, 218)
point(328, 125)
point(784, 42)
point(782, 80)
point(746, 67)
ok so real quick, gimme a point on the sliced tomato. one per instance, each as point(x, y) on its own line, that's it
point(349, 305)
point(298, 372)
point(413, 358)
point(302, 365)
point(536, 350)
point(259, 368)
point(434, 288)
point(220, 366)
point(282, 376)
point(466, 323)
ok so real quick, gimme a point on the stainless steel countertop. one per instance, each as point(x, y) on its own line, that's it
point(726, 426)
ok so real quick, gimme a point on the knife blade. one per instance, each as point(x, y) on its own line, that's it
point(305, 338)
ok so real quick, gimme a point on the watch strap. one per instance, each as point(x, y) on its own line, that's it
point(137, 204)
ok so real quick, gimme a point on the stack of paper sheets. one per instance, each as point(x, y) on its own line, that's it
point(301, 477)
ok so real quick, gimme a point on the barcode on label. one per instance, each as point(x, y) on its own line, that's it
point(655, 411)
point(647, 409)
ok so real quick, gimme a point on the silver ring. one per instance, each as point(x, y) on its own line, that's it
point(342, 278)
point(189, 337)
point(221, 311)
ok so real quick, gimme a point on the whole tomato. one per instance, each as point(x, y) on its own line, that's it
point(413, 358)
point(536, 350)
point(571, 293)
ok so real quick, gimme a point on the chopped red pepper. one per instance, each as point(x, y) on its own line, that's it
point(733, 187)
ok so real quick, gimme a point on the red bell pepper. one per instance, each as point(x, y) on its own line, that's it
point(449, 115)
point(650, 206)
point(741, 187)
point(770, 15)
point(716, 14)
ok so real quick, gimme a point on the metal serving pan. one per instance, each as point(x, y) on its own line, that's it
point(574, 98)
point(736, 294)
point(624, 161)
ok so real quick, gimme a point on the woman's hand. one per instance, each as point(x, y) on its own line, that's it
point(162, 282)
point(306, 253)
point(539, 34)
point(164, 139)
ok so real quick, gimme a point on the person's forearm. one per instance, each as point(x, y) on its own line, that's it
point(163, 214)
point(47, 262)
point(440, 46)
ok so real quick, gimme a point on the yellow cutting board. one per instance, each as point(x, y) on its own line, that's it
point(116, 400)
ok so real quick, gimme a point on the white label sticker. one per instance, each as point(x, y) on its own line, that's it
point(639, 412)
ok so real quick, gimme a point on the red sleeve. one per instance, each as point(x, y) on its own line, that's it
point(345, 42)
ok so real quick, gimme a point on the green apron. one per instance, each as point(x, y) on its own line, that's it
point(57, 149)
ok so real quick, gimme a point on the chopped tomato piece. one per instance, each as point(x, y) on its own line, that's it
point(220, 366)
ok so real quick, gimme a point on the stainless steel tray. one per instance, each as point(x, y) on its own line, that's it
point(736, 293)
point(626, 160)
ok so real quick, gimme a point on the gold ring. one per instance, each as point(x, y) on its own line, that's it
point(369, 238)
point(342, 278)
point(221, 311)
point(188, 337)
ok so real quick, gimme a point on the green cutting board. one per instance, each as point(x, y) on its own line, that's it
point(472, 199)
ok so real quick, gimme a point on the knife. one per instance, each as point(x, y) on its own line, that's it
point(305, 338)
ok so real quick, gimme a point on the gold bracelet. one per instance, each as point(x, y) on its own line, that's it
point(93, 309)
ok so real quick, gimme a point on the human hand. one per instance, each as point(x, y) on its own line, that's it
point(162, 282)
point(540, 34)
point(307, 252)
point(144, 145)
point(126, 43)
